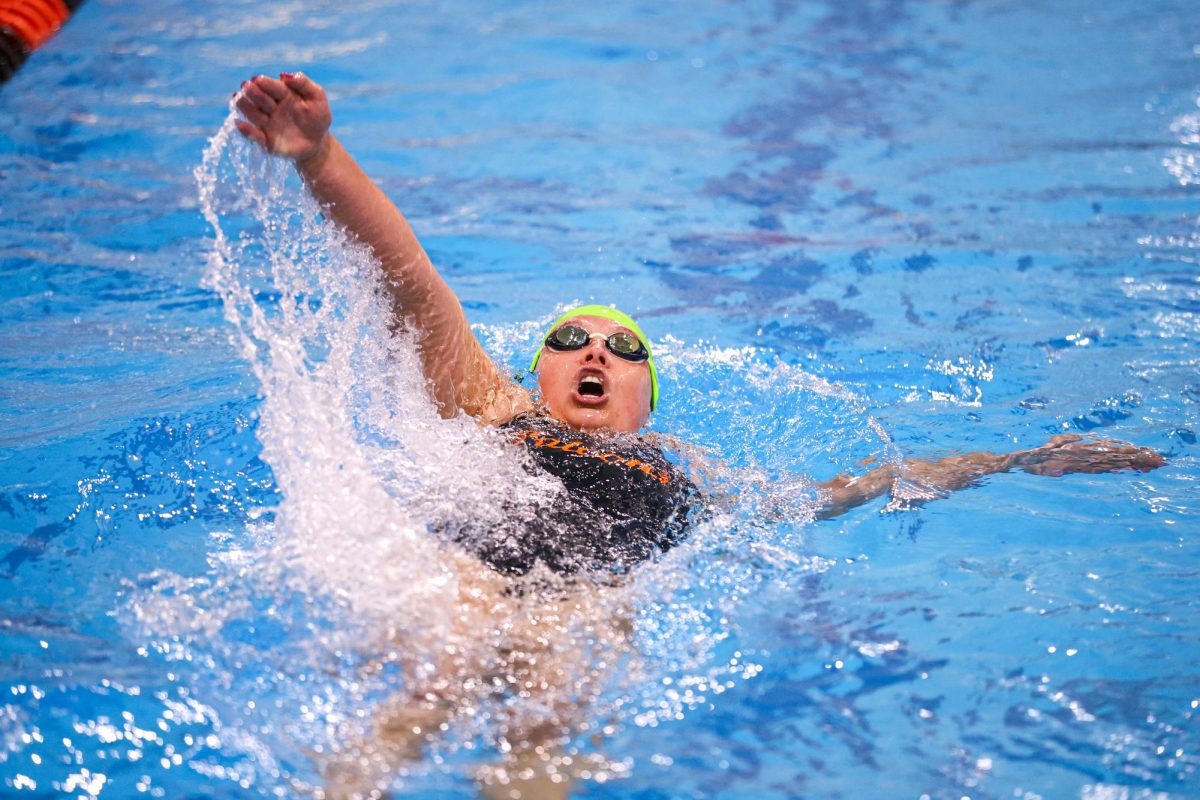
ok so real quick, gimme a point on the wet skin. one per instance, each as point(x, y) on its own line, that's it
point(623, 404)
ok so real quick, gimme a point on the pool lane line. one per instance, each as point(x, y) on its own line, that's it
point(25, 25)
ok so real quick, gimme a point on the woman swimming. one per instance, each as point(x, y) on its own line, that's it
point(623, 501)
point(595, 370)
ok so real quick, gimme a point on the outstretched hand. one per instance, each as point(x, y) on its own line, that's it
point(1069, 453)
point(289, 117)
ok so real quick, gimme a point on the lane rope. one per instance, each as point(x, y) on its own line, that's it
point(25, 25)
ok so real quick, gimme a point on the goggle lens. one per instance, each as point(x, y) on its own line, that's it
point(620, 344)
point(568, 337)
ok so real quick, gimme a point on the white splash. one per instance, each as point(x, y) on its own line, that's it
point(316, 621)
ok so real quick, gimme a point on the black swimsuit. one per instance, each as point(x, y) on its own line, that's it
point(624, 503)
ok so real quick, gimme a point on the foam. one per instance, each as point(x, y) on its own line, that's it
point(341, 606)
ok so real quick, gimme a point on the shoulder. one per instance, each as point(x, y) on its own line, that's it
point(507, 404)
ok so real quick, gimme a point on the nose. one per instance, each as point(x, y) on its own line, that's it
point(596, 350)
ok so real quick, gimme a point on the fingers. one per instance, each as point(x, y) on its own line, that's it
point(259, 98)
point(257, 95)
point(1093, 460)
point(251, 111)
point(251, 132)
point(276, 90)
point(302, 85)
point(1148, 460)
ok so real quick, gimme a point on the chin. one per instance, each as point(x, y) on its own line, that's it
point(586, 419)
point(596, 419)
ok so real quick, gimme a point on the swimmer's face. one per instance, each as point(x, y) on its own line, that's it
point(591, 388)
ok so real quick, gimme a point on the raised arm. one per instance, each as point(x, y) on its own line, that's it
point(290, 117)
point(916, 482)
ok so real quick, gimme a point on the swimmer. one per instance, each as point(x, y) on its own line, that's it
point(624, 501)
point(595, 370)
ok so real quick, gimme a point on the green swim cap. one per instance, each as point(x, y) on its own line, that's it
point(619, 317)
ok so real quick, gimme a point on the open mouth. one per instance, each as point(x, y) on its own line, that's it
point(591, 386)
point(591, 390)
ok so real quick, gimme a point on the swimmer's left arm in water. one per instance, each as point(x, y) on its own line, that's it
point(916, 482)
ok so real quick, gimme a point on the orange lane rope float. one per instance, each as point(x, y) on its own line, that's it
point(25, 25)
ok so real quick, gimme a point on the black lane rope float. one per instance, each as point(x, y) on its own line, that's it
point(25, 25)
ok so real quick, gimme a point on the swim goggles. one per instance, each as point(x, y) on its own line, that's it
point(617, 316)
point(620, 344)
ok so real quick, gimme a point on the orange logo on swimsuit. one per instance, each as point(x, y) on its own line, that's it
point(578, 448)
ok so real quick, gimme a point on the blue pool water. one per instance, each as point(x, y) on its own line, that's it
point(857, 230)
